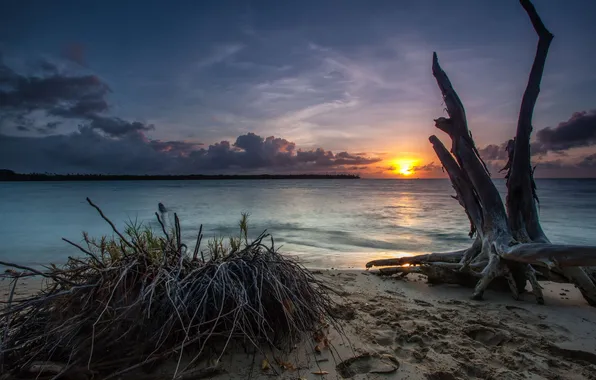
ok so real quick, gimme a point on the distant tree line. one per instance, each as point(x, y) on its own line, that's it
point(9, 175)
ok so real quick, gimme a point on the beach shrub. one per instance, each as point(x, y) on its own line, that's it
point(140, 297)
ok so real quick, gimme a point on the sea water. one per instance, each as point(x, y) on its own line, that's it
point(326, 223)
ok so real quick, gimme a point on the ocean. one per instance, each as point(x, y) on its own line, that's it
point(326, 223)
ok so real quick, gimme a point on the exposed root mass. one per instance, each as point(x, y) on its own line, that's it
point(139, 299)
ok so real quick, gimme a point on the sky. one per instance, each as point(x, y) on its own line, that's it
point(326, 86)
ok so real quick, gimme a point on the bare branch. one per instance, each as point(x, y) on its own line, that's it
point(122, 238)
point(461, 183)
point(552, 254)
point(464, 150)
point(521, 195)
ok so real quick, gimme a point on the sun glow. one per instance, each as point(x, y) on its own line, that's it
point(404, 167)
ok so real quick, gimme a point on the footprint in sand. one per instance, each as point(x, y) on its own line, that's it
point(487, 336)
point(385, 337)
point(422, 303)
point(367, 363)
point(572, 354)
point(344, 312)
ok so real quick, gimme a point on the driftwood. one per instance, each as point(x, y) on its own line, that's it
point(509, 241)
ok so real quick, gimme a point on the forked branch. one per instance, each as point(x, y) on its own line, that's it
point(464, 150)
point(521, 195)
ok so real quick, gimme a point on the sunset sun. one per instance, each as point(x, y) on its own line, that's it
point(404, 167)
point(405, 170)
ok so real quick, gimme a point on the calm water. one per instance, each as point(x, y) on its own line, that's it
point(328, 223)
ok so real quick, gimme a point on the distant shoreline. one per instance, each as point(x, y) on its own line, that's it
point(10, 176)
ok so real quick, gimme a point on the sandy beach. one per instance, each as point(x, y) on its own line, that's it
point(432, 332)
point(136, 153)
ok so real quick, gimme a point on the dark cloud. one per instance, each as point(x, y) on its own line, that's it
point(251, 151)
point(552, 165)
point(115, 127)
point(84, 108)
point(83, 151)
point(588, 162)
point(345, 155)
point(20, 122)
point(249, 142)
point(322, 158)
point(47, 66)
point(345, 158)
point(28, 93)
point(578, 131)
point(181, 148)
point(257, 152)
point(63, 96)
point(494, 152)
point(319, 156)
point(48, 128)
point(88, 150)
point(52, 125)
point(427, 168)
point(580, 167)
point(584, 166)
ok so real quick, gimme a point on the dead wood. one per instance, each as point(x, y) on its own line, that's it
point(521, 188)
point(450, 257)
point(444, 273)
point(509, 241)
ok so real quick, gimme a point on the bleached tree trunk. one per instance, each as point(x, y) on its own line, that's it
point(509, 240)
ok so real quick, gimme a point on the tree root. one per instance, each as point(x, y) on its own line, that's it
point(499, 275)
point(444, 273)
point(448, 257)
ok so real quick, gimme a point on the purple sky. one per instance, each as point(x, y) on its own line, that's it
point(343, 86)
